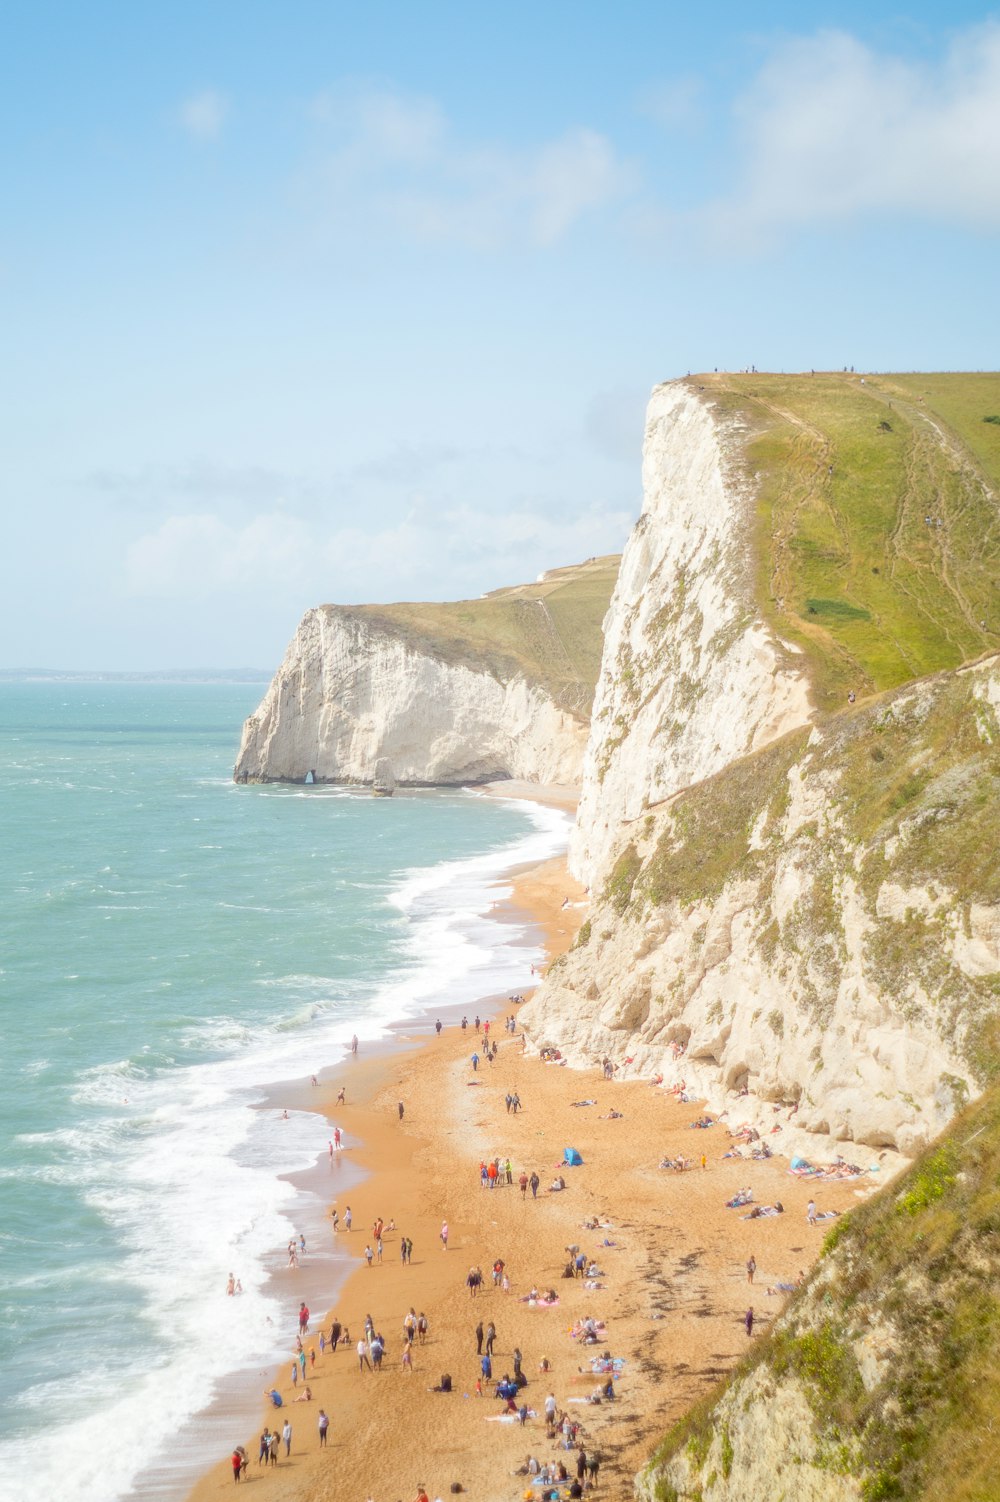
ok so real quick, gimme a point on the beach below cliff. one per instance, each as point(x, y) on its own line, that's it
point(670, 1297)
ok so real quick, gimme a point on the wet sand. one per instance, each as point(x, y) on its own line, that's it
point(674, 1285)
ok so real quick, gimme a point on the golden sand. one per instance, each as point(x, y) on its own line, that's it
point(674, 1284)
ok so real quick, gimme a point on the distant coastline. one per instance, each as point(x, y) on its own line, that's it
point(164, 675)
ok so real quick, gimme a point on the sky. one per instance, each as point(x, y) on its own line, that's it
point(322, 302)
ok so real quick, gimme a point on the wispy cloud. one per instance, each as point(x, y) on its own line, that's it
point(204, 114)
point(832, 131)
point(396, 162)
point(203, 556)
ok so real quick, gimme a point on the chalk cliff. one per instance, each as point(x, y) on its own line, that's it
point(438, 695)
point(790, 907)
point(692, 676)
point(816, 926)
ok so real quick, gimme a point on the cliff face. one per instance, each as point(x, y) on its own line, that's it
point(781, 916)
point(816, 926)
point(691, 677)
point(351, 692)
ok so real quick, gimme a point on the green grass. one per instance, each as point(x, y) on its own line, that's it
point(845, 475)
point(549, 631)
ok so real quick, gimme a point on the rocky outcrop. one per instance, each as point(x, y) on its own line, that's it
point(816, 928)
point(691, 677)
point(351, 691)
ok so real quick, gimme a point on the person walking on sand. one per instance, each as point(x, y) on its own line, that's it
point(363, 1361)
point(748, 1321)
point(341, 1097)
point(443, 1233)
point(400, 1108)
point(811, 1213)
point(479, 1338)
point(347, 1218)
point(368, 1254)
point(475, 1063)
point(523, 1183)
point(237, 1464)
point(751, 1268)
point(286, 1435)
point(491, 1335)
point(354, 1044)
point(534, 1181)
point(323, 1424)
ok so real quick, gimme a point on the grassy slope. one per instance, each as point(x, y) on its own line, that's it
point(848, 567)
point(550, 631)
point(923, 1258)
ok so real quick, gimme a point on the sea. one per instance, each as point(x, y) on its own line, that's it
point(173, 949)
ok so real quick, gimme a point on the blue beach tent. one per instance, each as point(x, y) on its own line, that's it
point(572, 1157)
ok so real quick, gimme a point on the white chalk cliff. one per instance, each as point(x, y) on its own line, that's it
point(691, 677)
point(761, 926)
point(351, 692)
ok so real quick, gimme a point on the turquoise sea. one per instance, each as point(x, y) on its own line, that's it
point(172, 946)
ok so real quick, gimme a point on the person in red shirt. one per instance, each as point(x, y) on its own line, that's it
point(303, 1319)
point(421, 1493)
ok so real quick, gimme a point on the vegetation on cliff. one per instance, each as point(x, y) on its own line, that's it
point(550, 631)
point(894, 1344)
point(878, 529)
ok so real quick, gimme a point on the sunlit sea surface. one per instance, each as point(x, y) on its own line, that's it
point(173, 944)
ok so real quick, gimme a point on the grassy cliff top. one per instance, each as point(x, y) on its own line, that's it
point(878, 523)
point(550, 631)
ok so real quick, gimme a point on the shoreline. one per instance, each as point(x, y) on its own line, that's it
point(673, 1307)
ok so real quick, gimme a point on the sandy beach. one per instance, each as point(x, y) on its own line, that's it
point(671, 1294)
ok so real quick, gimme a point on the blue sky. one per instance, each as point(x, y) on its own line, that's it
point(320, 302)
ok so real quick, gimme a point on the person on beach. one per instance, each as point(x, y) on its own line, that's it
point(363, 1361)
point(286, 1434)
point(274, 1448)
point(399, 1108)
point(480, 1334)
point(748, 1321)
point(237, 1464)
point(486, 1364)
point(295, 1373)
point(293, 1256)
point(323, 1424)
point(443, 1233)
point(368, 1254)
point(491, 1335)
point(422, 1327)
point(751, 1268)
point(437, 1027)
point(354, 1044)
point(811, 1213)
point(478, 1024)
point(265, 1445)
point(465, 1023)
point(407, 1358)
point(475, 1063)
point(302, 1364)
point(534, 1181)
point(305, 1396)
point(337, 1138)
point(303, 1318)
point(523, 1183)
point(336, 1330)
point(347, 1218)
point(341, 1098)
point(231, 1286)
point(378, 1249)
point(335, 1217)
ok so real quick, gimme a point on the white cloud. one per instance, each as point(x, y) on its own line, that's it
point(203, 115)
point(200, 556)
point(832, 131)
point(396, 162)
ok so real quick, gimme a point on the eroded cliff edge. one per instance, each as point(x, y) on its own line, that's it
point(443, 694)
point(781, 916)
